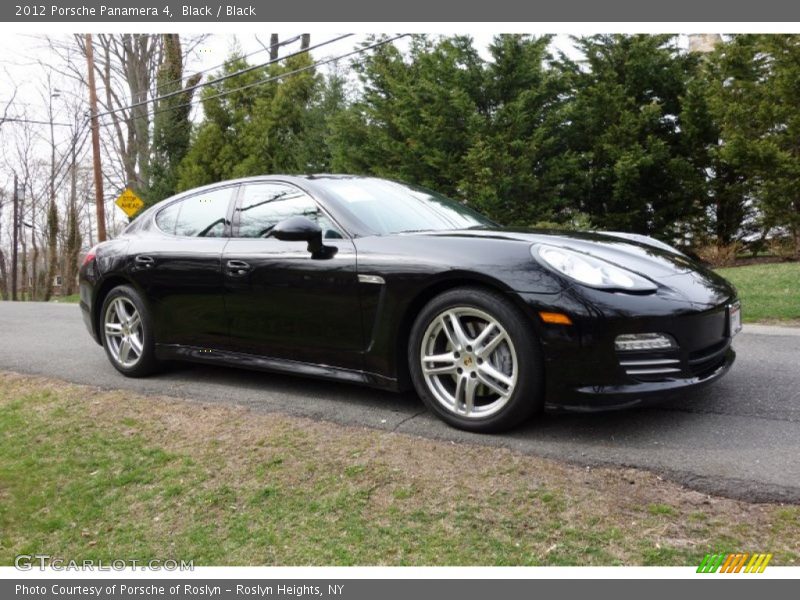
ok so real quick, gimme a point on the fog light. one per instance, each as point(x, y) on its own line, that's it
point(645, 341)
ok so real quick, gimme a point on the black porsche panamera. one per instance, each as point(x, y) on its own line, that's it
point(392, 285)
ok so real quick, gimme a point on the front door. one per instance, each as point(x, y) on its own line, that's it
point(281, 302)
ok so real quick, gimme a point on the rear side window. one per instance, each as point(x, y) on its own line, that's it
point(263, 205)
point(167, 218)
point(201, 215)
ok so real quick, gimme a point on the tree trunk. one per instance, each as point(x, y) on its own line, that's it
point(273, 46)
point(3, 277)
point(52, 249)
point(23, 268)
point(796, 228)
point(33, 290)
point(73, 242)
point(52, 214)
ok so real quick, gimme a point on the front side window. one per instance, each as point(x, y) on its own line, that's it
point(201, 215)
point(264, 205)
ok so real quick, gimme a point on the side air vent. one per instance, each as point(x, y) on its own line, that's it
point(651, 369)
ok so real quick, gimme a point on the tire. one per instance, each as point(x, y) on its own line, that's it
point(493, 358)
point(120, 307)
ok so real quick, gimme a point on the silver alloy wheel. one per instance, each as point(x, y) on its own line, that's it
point(124, 334)
point(469, 362)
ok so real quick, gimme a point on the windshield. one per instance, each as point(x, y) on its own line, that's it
point(391, 207)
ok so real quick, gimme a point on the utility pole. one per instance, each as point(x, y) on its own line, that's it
point(16, 242)
point(98, 175)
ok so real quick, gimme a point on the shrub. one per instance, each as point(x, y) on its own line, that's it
point(719, 255)
point(783, 248)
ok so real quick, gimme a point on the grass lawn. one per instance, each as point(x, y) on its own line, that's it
point(90, 474)
point(769, 292)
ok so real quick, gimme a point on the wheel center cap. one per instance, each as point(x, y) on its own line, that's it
point(467, 361)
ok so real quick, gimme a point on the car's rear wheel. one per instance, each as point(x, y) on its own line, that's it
point(475, 361)
point(127, 332)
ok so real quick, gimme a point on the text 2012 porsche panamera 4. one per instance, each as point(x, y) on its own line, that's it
point(388, 284)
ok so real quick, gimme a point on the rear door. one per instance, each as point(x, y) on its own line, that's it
point(281, 302)
point(181, 271)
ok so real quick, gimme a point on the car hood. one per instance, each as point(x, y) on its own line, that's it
point(635, 256)
point(675, 273)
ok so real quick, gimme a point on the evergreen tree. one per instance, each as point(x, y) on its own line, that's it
point(519, 169)
point(278, 126)
point(171, 124)
point(413, 120)
point(219, 144)
point(624, 131)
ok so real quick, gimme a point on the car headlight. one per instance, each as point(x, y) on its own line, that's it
point(591, 271)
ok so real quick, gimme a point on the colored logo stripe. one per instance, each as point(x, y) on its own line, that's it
point(734, 563)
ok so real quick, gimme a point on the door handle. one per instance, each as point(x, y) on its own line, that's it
point(144, 261)
point(237, 267)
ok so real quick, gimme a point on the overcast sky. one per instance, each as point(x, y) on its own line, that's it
point(25, 61)
point(22, 57)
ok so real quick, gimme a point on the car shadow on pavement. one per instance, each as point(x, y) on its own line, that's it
point(348, 403)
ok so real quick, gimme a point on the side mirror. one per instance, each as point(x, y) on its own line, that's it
point(301, 229)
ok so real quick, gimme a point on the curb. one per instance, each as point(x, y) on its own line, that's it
point(771, 330)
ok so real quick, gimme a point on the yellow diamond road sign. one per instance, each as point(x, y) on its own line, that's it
point(129, 202)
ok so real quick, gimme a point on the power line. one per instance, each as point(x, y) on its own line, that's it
point(308, 67)
point(33, 122)
point(276, 77)
point(215, 67)
point(82, 129)
point(77, 160)
point(78, 130)
point(222, 78)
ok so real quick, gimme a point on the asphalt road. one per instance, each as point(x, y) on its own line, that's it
point(738, 438)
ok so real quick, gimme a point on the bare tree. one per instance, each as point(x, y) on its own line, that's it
point(49, 93)
point(129, 60)
point(126, 68)
point(21, 156)
point(3, 267)
point(72, 239)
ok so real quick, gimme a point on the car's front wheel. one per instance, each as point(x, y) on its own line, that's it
point(127, 332)
point(475, 361)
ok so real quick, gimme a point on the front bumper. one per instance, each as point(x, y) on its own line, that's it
point(591, 398)
point(585, 372)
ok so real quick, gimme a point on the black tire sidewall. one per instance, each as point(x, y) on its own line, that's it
point(147, 363)
point(527, 398)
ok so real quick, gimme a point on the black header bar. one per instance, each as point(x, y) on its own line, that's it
point(439, 11)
